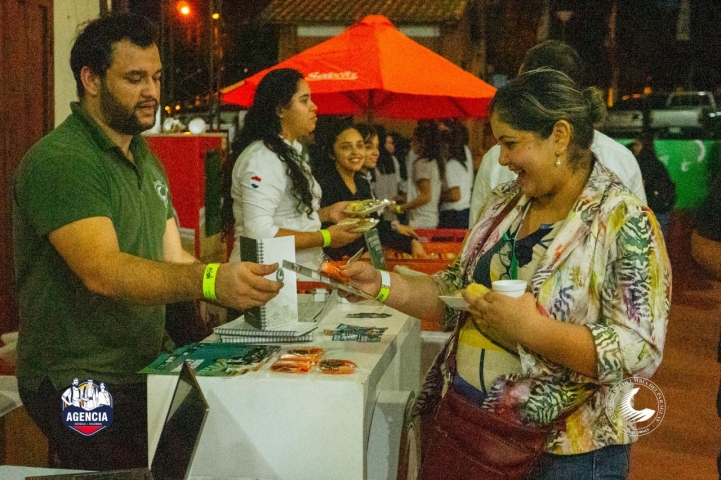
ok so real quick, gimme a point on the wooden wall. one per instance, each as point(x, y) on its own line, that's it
point(26, 114)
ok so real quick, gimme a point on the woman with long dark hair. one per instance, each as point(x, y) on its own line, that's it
point(388, 177)
point(272, 190)
point(424, 178)
point(372, 153)
point(342, 154)
point(457, 178)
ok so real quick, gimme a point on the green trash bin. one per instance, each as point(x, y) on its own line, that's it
point(692, 165)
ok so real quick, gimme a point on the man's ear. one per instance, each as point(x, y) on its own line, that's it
point(91, 81)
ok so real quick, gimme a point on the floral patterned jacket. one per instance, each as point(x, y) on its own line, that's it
point(607, 269)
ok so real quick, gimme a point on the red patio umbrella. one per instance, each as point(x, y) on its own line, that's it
point(373, 68)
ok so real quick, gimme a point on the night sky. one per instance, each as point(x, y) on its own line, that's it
point(648, 52)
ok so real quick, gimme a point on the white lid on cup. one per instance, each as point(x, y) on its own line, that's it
point(512, 288)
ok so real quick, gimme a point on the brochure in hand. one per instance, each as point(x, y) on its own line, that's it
point(214, 359)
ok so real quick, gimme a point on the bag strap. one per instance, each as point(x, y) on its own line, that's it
point(451, 358)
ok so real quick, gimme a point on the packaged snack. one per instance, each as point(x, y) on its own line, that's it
point(311, 355)
point(335, 366)
point(291, 366)
point(330, 269)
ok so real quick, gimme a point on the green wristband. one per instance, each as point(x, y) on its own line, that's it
point(209, 281)
point(326, 238)
point(385, 286)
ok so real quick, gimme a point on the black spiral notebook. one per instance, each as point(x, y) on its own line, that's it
point(239, 327)
point(250, 340)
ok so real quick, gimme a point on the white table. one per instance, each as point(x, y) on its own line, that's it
point(9, 396)
point(307, 426)
point(11, 472)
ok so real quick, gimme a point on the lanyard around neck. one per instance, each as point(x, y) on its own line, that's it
point(512, 240)
point(513, 269)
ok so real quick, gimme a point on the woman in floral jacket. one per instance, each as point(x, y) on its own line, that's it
point(599, 284)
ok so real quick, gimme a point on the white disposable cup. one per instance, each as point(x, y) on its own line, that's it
point(512, 288)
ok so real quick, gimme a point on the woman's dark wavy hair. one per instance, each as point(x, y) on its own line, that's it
point(428, 136)
point(262, 122)
point(457, 138)
point(325, 135)
point(536, 100)
point(366, 131)
point(385, 159)
point(403, 145)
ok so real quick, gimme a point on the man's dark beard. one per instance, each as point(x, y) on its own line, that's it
point(117, 116)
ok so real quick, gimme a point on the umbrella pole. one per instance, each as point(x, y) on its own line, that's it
point(371, 95)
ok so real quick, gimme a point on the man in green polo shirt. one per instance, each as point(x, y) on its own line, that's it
point(97, 250)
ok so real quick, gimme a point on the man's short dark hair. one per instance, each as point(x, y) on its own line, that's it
point(557, 55)
point(95, 45)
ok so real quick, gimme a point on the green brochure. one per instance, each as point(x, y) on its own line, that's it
point(213, 359)
point(373, 242)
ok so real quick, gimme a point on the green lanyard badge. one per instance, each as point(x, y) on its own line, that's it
point(513, 269)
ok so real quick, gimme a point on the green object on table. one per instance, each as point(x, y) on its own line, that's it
point(213, 359)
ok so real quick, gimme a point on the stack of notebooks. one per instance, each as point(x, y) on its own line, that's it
point(238, 331)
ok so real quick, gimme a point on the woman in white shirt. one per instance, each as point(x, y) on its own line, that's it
point(372, 152)
point(388, 175)
point(273, 191)
point(457, 179)
point(424, 182)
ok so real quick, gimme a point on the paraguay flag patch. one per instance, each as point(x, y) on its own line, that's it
point(255, 181)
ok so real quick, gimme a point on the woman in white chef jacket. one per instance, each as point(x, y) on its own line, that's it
point(273, 191)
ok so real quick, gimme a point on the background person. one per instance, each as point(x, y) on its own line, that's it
point(457, 178)
point(271, 188)
point(424, 177)
point(559, 56)
point(372, 153)
point(403, 151)
point(657, 183)
point(706, 250)
point(343, 153)
point(591, 318)
point(97, 251)
point(387, 171)
point(371, 140)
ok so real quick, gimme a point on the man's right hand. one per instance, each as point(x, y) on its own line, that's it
point(241, 285)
